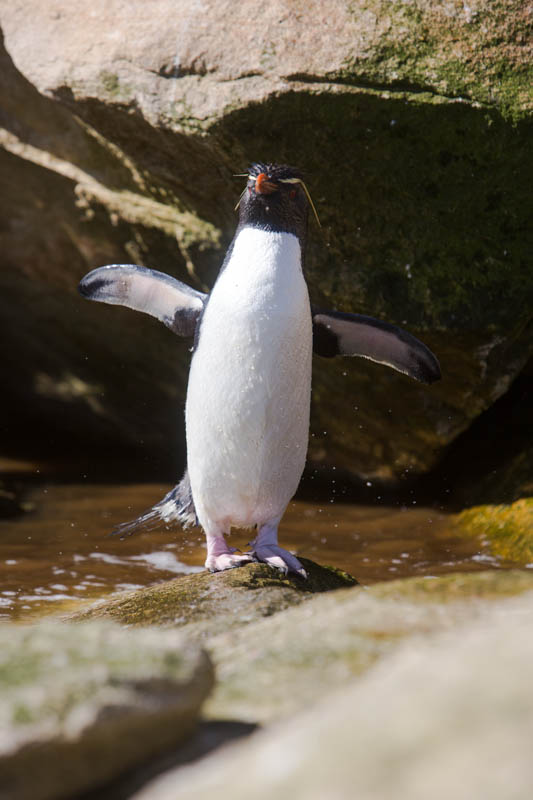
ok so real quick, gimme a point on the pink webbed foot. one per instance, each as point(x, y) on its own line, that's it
point(227, 560)
point(278, 558)
point(265, 548)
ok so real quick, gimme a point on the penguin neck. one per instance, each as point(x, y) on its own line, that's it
point(261, 251)
point(299, 232)
point(263, 275)
point(260, 245)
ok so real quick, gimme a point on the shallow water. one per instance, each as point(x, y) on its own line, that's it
point(60, 555)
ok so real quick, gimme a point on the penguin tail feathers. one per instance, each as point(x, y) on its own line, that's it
point(176, 506)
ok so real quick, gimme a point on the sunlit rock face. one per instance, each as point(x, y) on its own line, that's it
point(69, 691)
point(438, 710)
point(122, 126)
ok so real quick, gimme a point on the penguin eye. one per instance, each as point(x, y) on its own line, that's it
point(306, 190)
point(292, 194)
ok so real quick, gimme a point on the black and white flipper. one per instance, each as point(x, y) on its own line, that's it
point(174, 303)
point(337, 333)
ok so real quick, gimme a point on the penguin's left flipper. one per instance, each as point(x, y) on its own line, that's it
point(174, 303)
point(338, 333)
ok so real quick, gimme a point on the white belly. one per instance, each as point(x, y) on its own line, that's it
point(248, 398)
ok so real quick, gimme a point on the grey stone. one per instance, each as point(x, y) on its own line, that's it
point(279, 642)
point(448, 715)
point(80, 704)
point(278, 666)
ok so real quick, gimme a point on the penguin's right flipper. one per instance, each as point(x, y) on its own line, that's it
point(338, 333)
point(174, 303)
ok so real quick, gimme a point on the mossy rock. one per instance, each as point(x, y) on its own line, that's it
point(208, 603)
point(506, 530)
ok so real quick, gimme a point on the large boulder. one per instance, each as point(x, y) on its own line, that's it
point(80, 704)
point(280, 646)
point(449, 716)
point(277, 643)
point(283, 664)
point(123, 124)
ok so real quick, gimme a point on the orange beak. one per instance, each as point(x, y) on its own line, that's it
point(263, 185)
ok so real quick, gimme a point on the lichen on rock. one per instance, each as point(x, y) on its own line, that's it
point(506, 531)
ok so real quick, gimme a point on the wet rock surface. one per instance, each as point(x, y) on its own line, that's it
point(82, 704)
point(120, 138)
point(204, 603)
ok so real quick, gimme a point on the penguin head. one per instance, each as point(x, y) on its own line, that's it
point(275, 199)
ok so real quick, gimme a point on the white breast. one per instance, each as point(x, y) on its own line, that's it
point(248, 397)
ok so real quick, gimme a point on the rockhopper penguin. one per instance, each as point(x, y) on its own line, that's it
point(249, 390)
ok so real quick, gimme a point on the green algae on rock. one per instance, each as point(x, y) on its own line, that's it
point(506, 530)
point(79, 704)
point(207, 603)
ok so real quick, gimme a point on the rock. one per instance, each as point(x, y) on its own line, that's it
point(11, 499)
point(206, 603)
point(270, 657)
point(492, 462)
point(278, 666)
point(513, 480)
point(451, 716)
point(121, 136)
point(275, 655)
point(506, 531)
point(81, 704)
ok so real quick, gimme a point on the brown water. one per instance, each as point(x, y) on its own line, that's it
point(60, 554)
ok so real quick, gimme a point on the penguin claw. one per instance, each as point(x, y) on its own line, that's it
point(227, 561)
point(280, 559)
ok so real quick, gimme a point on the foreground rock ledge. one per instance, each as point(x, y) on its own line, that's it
point(447, 717)
point(79, 704)
point(283, 664)
point(210, 603)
